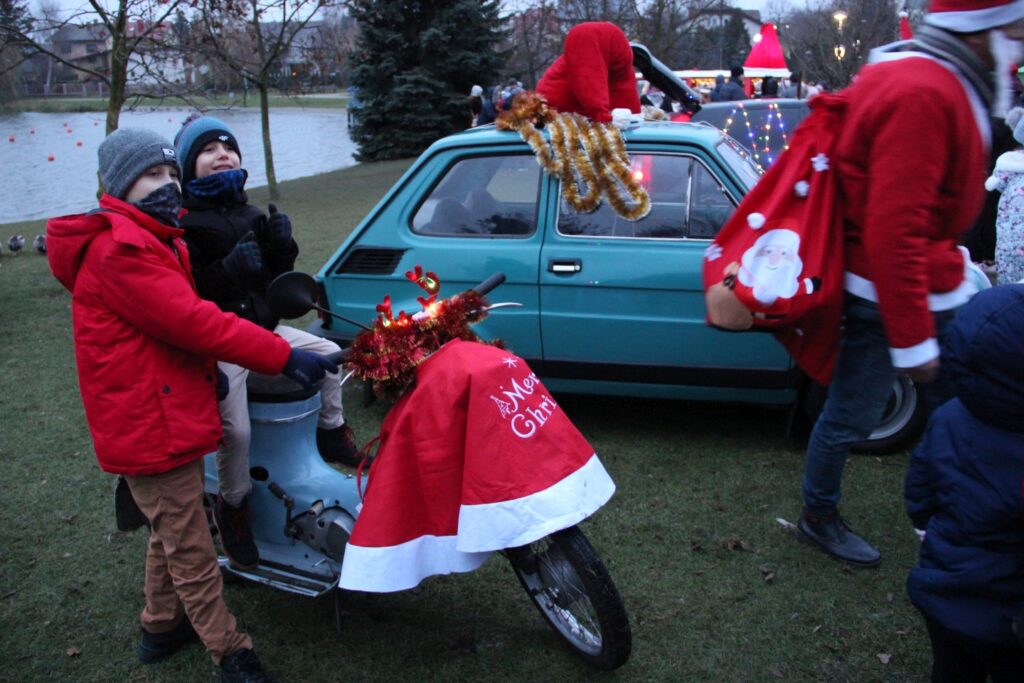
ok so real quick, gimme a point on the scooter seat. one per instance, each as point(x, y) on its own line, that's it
point(288, 396)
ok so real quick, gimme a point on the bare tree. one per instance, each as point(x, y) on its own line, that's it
point(271, 28)
point(534, 41)
point(830, 40)
point(131, 26)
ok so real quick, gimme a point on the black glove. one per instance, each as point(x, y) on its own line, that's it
point(245, 258)
point(307, 368)
point(280, 229)
point(222, 385)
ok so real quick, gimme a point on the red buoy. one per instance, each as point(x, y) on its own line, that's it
point(31, 131)
point(50, 157)
point(10, 138)
point(78, 144)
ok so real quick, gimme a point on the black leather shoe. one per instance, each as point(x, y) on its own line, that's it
point(157, 646)
point(235, 533)
point(830, 532)
point(243, 667)
point(339, 445)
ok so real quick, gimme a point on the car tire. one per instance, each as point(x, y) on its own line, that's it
point(902, 423)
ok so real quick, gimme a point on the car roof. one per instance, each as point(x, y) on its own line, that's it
point(648, 131)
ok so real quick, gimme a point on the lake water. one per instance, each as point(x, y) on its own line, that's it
point(306, 142)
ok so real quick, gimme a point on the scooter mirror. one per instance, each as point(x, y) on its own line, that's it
point(292, 295)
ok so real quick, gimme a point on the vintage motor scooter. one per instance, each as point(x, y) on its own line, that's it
point(304, 513)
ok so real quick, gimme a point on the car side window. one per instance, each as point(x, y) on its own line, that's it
point(491, 196)
point(710, 204)
point(679, 187)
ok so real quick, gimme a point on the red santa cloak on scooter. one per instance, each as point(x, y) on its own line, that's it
point(594, 74)
point(476, 457)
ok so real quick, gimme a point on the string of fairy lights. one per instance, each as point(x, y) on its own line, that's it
point(759, 135)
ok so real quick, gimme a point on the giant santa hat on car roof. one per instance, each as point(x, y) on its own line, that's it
point(590, 87)
point(594, 74)
point(969, 16)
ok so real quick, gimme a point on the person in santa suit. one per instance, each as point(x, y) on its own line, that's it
point(594, 73)
point(911, 164)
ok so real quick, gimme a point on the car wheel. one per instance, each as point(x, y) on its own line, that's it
point(902, 422)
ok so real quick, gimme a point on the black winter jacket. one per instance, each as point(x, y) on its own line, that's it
point(211, 231)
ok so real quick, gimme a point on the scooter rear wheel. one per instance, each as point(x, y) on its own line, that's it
point(571, 587)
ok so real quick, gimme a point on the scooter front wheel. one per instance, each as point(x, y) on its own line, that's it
point(571, 587)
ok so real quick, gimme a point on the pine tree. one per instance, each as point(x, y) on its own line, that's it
point(415, 65)
point(736, 42)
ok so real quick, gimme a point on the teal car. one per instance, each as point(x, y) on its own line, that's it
point(608, 306)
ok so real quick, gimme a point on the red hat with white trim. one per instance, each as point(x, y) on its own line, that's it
point(969, 16)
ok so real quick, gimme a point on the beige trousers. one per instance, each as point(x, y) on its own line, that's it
point(182, 575)
point(233, 455)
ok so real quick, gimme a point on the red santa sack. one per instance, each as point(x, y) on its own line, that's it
point(476, 457)
point(777, 264)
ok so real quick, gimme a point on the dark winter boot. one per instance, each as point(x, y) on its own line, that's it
point(243, 667)
point(157, 646)
point(830, 533)
point(235, 533)
point(339, 445)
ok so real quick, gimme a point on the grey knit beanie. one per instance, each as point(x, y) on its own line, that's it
point(127, 153)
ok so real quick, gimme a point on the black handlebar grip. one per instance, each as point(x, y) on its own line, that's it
point(337, 357)
point(276, 489)
point(489, 284)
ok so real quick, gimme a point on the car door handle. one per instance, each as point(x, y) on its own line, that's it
point(565, 266)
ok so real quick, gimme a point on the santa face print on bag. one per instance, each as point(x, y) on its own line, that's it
point(772, 266)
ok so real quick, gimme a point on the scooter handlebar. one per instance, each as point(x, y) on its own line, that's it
point(490, 283)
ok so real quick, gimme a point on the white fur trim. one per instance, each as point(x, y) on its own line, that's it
point(919, 354)
point(482, 529)
point(1012, 162)
point(991, 183)
point(403, 566)
point(942, 301)
point(969, 21)
point(511, 523)
point(756, 220)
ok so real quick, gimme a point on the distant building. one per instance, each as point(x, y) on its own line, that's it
point(715, 17)
point(86, 47)
point(156, 60)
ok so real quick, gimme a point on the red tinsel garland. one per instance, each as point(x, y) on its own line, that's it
point(387, 354)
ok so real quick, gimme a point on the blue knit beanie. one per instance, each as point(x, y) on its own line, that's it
point(195, 134)
point(127, 153)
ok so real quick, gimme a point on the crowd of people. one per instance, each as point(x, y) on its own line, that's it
point(178, 292)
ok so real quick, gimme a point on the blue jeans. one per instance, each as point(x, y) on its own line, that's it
point(857, 397)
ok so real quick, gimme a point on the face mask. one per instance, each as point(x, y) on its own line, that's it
point(1006, 53)
point(163, 204)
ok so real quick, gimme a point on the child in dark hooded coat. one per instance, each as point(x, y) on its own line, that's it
point(963, 490)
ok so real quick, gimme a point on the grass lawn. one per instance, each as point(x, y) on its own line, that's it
point(714, 589)
point(81, 104)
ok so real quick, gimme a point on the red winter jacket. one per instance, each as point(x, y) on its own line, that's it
point(912, 166)
point(594, 75)
point(146, 345)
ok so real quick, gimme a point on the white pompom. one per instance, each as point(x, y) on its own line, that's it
point(756, 220)
point(801, 188)
point(904, 15)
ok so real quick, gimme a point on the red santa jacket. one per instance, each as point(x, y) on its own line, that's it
point(145, 343)
point(594, 74)
point(912, 166)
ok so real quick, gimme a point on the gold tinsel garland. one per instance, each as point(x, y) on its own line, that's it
point(579, 150)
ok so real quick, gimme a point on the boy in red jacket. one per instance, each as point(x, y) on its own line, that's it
point(146, 347)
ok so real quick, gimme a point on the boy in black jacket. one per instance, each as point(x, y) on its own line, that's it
point(236, 252)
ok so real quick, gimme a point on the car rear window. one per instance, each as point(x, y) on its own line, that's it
point(486, 196)
point(687, 201)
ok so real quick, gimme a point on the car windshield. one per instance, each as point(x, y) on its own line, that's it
point(740, 162)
